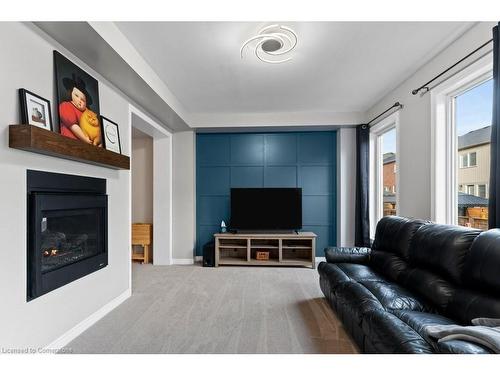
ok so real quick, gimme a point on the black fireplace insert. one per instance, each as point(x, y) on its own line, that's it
point(67, 229)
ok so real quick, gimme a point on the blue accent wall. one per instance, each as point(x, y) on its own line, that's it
point(305, 159)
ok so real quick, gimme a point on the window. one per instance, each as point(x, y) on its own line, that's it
point(383, 169)
point(461, 131)
point(472, 159)
point(481, 191)
point(472, 120)
point(468, 160)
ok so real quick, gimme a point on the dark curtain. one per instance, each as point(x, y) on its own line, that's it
point(362, 215)
point(494, 203)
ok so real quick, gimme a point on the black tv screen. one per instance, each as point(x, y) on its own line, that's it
point(266, 208)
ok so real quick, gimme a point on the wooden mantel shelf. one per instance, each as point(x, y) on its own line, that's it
point(41, 141)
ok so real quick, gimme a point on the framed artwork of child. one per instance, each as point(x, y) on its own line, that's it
point(78, 102)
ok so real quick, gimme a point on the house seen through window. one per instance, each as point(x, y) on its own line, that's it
point(388, 140)
point(473, 129)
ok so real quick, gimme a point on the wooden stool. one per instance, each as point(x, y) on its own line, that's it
point(142, 234)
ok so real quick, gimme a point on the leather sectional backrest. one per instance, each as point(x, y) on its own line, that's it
point(480, 295)
point(434, 288)
point(482, 267)
point(442, 249)
point(468, 304)
point(390, 265)
point(394, 233)
point(437, 256)
point(389, 254)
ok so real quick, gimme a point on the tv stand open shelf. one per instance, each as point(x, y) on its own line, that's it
point(285, 249)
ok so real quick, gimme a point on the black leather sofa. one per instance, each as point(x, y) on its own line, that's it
point(416, 274)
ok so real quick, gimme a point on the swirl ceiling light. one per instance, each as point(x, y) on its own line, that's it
point(271, 44)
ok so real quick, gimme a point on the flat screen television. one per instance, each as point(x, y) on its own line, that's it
point(266, 208)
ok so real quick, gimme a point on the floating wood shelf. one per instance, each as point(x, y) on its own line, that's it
point(41, 141)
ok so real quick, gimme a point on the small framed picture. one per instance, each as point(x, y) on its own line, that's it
point(111, 135)
point(35, 110)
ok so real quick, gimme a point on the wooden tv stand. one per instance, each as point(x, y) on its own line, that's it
point(285, 249)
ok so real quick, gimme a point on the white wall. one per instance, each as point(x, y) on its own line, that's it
point(415, 123)
point(41, 321)
point(184, 196)
point(142, 180)
point(346, 186)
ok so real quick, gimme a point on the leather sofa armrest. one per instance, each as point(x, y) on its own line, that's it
point(460, 347)
point(347, 254)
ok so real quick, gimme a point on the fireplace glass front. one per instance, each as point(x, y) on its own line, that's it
point(68, 236)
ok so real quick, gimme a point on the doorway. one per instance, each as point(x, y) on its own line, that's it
point(142, 196)
point(151, 180)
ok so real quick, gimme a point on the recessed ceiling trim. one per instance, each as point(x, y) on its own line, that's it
point(277, 119)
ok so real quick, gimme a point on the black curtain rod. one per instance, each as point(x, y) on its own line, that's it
point(395, 105)
point(424, 86)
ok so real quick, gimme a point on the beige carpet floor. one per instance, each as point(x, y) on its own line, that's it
point(191, 309)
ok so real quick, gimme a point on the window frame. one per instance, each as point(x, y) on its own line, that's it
point(469, 158)
point(445, 161)
point(465, 160)
point(485, 191)
point(377, 130)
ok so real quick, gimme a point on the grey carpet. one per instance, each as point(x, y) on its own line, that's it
point(191, 309)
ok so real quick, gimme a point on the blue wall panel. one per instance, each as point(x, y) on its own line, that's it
point(280, 176)
point(216, 181)
point(281, 149)
point(247, 149)
point(214, 150)
point(305, 159)
point(247, 177)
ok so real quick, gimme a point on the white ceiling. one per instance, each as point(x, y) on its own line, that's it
point(337, 67)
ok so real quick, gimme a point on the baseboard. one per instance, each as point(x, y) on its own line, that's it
point(198, 258)
point(77, 330)
point(183, 261)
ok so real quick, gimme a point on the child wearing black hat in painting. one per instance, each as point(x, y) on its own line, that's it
point(70, 112)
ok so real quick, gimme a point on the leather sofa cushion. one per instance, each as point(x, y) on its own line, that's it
point(357, 300)
point(432, 288)
point(482, 267)
point(332, 273)
point(442, 249)
point(460, 347)
point(393, 296)
point(393, 234)
point(390, 265)
point(325, 287)
point(338, 273)
point(352, 302)
point(468, 304)
point(419, 321)
point(387, 334)
point(359, 272)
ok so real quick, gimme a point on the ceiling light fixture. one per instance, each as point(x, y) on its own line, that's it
point(271, 43)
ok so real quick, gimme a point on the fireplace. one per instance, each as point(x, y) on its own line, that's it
point(67, 229)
